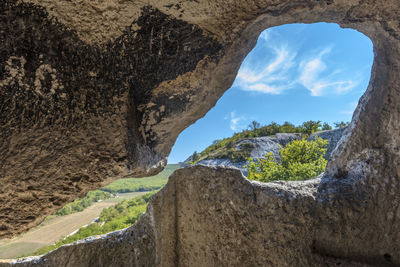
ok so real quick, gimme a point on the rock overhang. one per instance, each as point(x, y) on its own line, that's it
point(73, 120)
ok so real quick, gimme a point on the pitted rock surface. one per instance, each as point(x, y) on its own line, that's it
point(91, 91)
point(215, 217)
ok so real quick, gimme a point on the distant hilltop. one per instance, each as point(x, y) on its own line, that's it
point(234, 152)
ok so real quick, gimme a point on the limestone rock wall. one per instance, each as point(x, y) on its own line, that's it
point(95, 90)
point(215, 217)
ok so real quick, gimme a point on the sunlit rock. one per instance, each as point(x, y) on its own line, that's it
point(91, 91)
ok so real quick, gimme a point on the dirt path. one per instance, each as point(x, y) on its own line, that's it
point(55, 229)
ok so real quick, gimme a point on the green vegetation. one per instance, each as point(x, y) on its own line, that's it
point(81, 203)
point(341, 124)
point(228, 151)
point(310, 127)
point(300, 160)
point(119, 186)
point(226, 148)
point(120, 216)
point(111, 219)
point(326, 127)
point(141, 184)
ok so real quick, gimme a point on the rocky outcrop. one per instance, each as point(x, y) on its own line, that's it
point(74, 115)
point(269, 144)
point(216, 217)
point(333, 137)
point(94, 90)
point(260, 147)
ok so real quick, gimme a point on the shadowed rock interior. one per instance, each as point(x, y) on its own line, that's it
point(81, 105)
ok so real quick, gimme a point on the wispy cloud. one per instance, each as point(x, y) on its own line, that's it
point(265, 88)
point(313, 76)
point(286, 70)
point(237, 122)
point(265, 35)
point(266, 80)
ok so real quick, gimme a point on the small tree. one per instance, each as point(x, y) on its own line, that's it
point(341, 124)
point(275, 127)
point(326, 127)
point(215, 142)
point(254, 125)
point(195, 156)
point(310, 127)
point(288, 127)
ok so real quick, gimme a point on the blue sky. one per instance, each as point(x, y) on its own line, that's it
point(296, 72)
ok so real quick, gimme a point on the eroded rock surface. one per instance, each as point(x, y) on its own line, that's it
point(94, 90)
point(269, 144)
point(333, 137)
point(215, 217)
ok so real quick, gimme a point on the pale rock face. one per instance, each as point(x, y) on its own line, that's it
point(262, 146)
point(333, 137)
point(83, 104)
point(270, 144)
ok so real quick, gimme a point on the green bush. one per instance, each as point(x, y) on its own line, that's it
point(310, 127)
point(326, 127)
point(82, 203)
point(300, 160)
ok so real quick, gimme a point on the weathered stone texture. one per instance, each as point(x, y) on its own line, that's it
point(88, 95)
point(333, 137)
point(75, 109)
point(215, 217)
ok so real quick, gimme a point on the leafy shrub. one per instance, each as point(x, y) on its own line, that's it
point(300, 160)
point(326, 127)
point(310, 127)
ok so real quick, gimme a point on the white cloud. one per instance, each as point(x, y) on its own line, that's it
point(312, 70)
point(266, 80)
point(285, 71)
point(309, 74)
point(237, 122)
point(265, 35)
point(265, 88)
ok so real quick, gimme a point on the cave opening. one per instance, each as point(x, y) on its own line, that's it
point(296, 73)
point(304, 79)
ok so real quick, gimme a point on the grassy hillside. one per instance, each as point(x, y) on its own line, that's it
point(141, 184)
point(111, 219)
point(119, 186)
point(119, 216)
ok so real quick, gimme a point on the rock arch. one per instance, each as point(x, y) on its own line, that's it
point(130, 84)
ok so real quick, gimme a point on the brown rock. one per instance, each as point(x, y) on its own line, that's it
point(216, 217)
point(93, 96)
